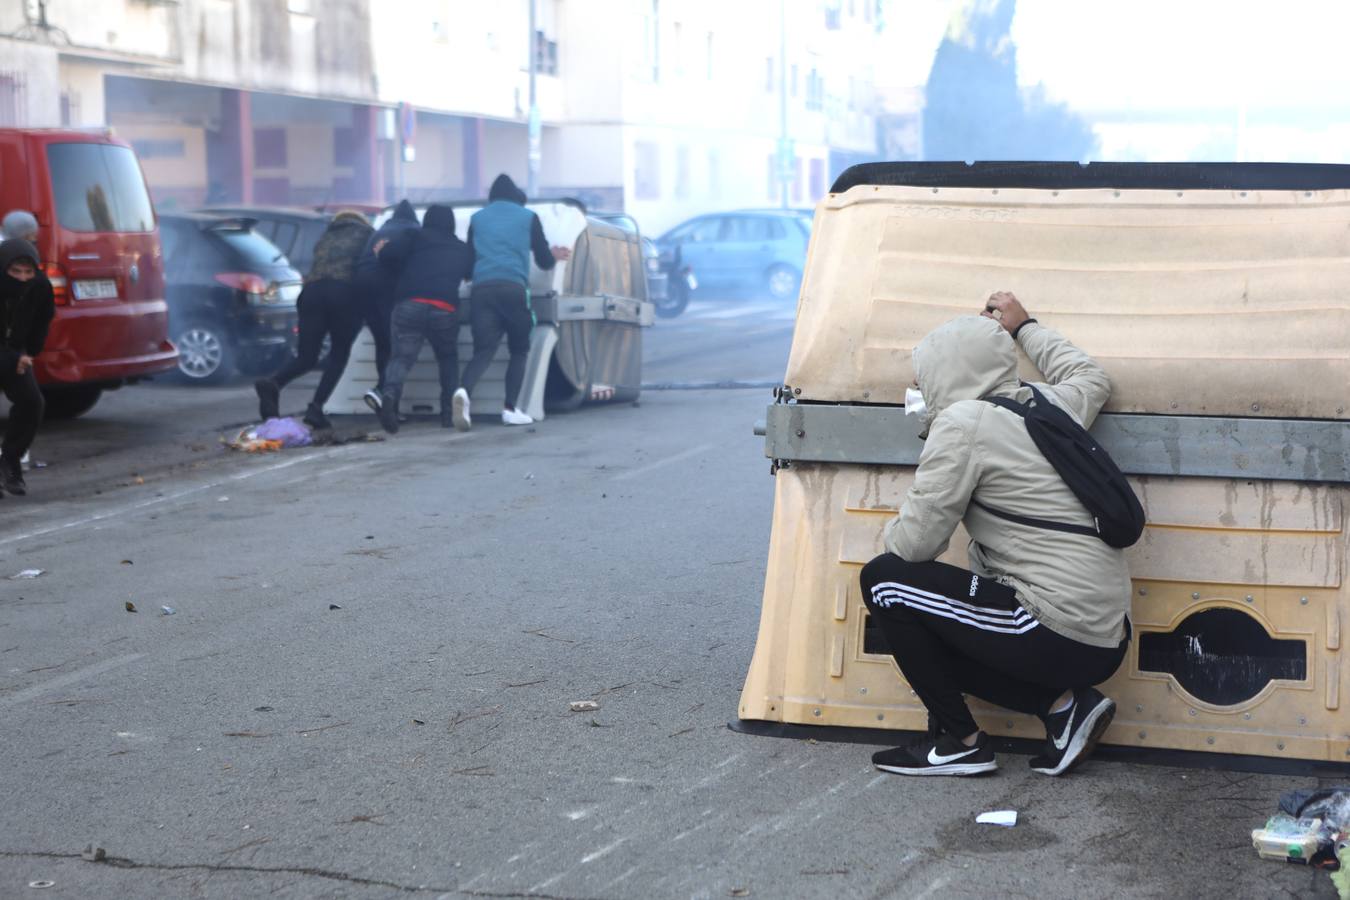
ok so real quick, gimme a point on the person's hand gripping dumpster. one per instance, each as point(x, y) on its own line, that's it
point(1041, 614)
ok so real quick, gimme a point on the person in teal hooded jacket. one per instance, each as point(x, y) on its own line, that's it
point(503, 236)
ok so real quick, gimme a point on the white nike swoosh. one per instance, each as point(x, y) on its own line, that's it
point(935, 760)
point(1063, 740)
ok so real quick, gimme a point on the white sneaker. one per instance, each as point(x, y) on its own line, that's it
point(459, 410)
point(373, 400)
point(515, 417)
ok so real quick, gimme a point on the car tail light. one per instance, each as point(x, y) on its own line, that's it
point(60, 287)
point(250, 284)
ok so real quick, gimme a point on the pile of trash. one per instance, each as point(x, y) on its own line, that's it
point(1312, 828)
point(274, 434)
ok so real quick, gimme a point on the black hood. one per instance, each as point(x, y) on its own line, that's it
point(11, 250)
point(404, 212)
point(17, 248)
point(503, 188)
point(439, 218)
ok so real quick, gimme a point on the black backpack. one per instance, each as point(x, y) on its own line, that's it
point(1086, 468)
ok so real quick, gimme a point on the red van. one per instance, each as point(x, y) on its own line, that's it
point(99, 242)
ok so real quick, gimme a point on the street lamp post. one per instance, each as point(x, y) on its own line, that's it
point(535, 126)
point(786, 160)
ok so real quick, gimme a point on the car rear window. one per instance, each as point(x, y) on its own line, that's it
point(98, 187)
point(251, 248)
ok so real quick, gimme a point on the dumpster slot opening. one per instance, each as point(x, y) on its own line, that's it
point(874, 641)
point(1222, 656)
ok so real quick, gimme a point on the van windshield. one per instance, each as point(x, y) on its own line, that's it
point(98, 187)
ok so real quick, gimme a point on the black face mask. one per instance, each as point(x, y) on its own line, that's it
point(12, 288)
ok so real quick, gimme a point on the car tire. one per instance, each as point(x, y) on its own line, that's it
point(206, 354)
point(783, 282)
point(69, 402)
point(677, 298)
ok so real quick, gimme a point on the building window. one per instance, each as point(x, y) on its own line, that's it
point(651, 38)
point(768, 74)
point(709, 52)
point(646, 171)
point(773, 168)
point(792, 80)
point(832, 14)
point(815, 91)
point(797, 180)
point(545, 54)
point(677, 49)
point(13, 99)
point(269, 148)
point(817, 179)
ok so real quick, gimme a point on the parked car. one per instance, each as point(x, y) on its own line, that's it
point(744, 250)
point(294, 231)
point(100, 247)
point(232, 296)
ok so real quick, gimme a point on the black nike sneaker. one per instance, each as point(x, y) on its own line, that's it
point(940, 755)
point(1072, 734)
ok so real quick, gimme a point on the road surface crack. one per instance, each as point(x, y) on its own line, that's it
point(121, 862)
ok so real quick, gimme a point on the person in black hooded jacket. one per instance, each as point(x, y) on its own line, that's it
point(377, 291)
point(26, 312)
point(329, 305)
point(429, 265)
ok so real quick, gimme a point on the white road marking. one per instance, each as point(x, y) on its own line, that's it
point(167, 498)
point(661, 463)
point(592, 857)
point(60, 681)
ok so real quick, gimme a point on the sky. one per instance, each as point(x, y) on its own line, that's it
point(1121, 55)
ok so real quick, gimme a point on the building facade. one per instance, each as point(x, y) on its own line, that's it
point(660, 108)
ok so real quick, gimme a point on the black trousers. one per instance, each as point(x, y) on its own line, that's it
point(413, 323)
point(25, 412)
point(953, 633)
point(326, 307)
point(500, 307)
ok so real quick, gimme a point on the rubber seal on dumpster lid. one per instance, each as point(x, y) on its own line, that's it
point(1222, 656)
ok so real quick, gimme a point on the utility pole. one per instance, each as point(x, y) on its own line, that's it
point(535, 126)
point(786, 157)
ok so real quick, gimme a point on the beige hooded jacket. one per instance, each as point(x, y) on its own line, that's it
point(1073, 584)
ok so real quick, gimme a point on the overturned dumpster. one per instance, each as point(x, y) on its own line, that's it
point(1217, 296)
point(587, 343)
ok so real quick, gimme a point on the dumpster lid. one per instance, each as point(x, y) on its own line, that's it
point(1169, 176)
point(1197, 302)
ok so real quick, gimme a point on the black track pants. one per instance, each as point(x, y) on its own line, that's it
point(953, 633)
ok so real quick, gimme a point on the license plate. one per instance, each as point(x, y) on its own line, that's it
point(99, 289)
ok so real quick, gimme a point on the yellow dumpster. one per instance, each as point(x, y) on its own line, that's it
point(1218, 299)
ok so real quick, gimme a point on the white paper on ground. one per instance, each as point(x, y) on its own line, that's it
point(1005, 817)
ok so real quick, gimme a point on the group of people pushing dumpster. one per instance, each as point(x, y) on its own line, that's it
point(402, 282)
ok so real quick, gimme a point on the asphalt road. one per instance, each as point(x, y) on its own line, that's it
point(417, 740)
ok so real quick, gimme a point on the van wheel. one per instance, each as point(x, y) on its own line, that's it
point(205, 354)
point(69, 402)
point(783, 282)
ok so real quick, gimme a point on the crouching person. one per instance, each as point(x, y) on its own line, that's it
point(1041, 615)
point(26, 311)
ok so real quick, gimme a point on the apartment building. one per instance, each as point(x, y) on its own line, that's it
point(661, 108)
